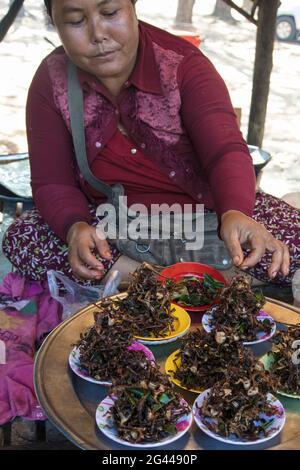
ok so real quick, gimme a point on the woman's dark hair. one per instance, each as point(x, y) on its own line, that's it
point(48, 7)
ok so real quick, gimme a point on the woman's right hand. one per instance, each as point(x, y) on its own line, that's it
point(82, 240)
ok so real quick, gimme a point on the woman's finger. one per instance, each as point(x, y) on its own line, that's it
point(87, 274)
point(86, 256)
point(285, 267)
point(234, 247)
point(82, 243)
point(80, 269)
point(257, 250)
point(102, 247)
point(278, 257)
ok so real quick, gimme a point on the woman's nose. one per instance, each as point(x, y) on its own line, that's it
point(97, 31)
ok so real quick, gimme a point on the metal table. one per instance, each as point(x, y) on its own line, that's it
point(70, 402)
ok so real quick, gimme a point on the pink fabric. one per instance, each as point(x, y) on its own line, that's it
point(162, 112)
point(21, 331)
point(96, 108)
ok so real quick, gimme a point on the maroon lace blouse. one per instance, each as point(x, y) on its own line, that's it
point(183, 145)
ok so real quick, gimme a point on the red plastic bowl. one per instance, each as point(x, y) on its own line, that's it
point(178, 271)
point(190, 36)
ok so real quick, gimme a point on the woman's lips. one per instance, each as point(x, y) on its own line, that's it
point(104, 55)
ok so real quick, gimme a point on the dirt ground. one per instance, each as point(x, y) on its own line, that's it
point(230, 47)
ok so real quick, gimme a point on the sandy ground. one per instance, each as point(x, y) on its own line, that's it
point(231, 49)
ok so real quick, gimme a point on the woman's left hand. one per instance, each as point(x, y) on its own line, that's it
point(240, 231)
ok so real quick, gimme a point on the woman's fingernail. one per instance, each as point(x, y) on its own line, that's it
point(273, 274)
point(98, 276)
point(236, 260)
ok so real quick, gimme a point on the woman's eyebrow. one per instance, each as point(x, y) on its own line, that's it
point(72, 9)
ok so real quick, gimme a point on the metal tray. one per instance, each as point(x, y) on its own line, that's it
point(70, 402)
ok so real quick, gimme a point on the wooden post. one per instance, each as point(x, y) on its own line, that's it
point(223, 11)
point(247, 5)
point(262, 70)
point(53, 435)
point(184, 14)
point(1, 436)
point(238, 113)
point(23, 432)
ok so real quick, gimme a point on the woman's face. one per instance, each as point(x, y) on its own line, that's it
point(100, 36)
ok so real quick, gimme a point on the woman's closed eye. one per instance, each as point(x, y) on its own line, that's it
point(106, 14)
point(110, 14)
point(75, 22)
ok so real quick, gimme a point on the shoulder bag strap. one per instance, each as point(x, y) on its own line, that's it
point(75, 97)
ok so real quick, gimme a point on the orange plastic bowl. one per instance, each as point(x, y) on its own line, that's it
point(191, 37)
point(178, 271)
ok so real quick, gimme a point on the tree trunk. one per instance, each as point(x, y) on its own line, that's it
point(10, 17)
point(223, 11)
point(247, 5)
point(184, 14)
point(262, 70)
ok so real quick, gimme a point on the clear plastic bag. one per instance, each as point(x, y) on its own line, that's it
point(78, 296)
point(296, 288)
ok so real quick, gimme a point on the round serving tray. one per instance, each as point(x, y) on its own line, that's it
point(70, 403)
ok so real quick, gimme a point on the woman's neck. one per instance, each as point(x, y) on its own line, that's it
point(115, 84)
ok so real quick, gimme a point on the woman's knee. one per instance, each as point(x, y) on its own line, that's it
point(31, 247)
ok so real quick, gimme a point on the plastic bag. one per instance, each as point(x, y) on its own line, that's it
point(296, 288)
point(77, 296)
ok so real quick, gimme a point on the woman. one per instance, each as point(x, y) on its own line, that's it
point(158, 119)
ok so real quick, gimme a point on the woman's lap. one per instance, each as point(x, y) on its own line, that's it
point(33, 248)
point(283, 221)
